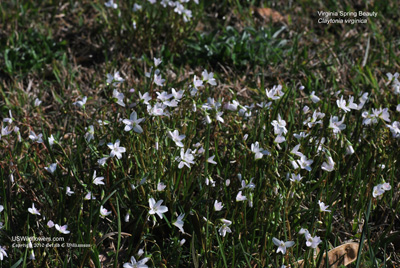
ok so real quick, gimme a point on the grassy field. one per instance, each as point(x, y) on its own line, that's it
point(199, 134)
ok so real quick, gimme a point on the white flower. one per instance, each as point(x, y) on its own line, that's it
point(342, 105)
point(176, 137)
point(3, 253)
point(240, 197)
point(68, 191)
point(336, 125)
point(186, 158)
point(9, 119)
point(380, 189)
point(1, 208)
point(218, 205)
point(157, 62)
point(323, 207)
point(295, 178)
point(136, 7)
point(382, 113)
point(81, 103)
point(97, 180)
point(312, 242)
point(328, 166)
point(89, 196)
point(32, 136)
point(197, 82)
point(62, 229)
point(51, 168)
point(158, 80)
point(279, 126)
point(116, 78)
point(225, 227)
point(33, 210)
point(161, 186)
point(52, 140)
point(102, 161)
point(395, 129)
point(208, 77)
point(177, 94)
point(37, 102)
point(258, 152)
point(179, 222)
point(156, 208)
point(116, 150)
point(90, 134)
point(145, 97)
point(275, 93)
point(211, 160)
point(135, 264)
point(50, 224)
point(314, 98)
point(305, 163)
point(104, 212)
point(133, 123)
point(119, 96)
point(111, 4)
point(282, 245)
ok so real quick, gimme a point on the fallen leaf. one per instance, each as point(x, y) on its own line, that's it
point(269, 14)
point(341, 255)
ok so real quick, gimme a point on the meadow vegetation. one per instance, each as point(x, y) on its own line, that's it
point(198, 134)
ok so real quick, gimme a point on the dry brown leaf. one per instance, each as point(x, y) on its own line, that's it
point(341, 255)
point(270, 14)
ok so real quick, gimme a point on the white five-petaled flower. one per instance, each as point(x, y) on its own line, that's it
point(81, 103)
point(174, 135)
point(133, 123)
point(305, 163)
point(119, 96)
point(33, 210)
point(136, 264)
point(258, 152)
point(158, 80)
point(336, 125)
point(157, 208)
point(275, 93)
point(329, 165)
point(279, 126)
point(323, 207)
point(116, 78)
point(32, 136)
point(62, 229)
point(145, 98)
point(116, 150)
point(282, 245)
point(52, 168)
point(161, 186)
point(312, 242)
point(197, 82)
point(104, 212)
point(295, 178)
point(179, 222)
point(186, 158)
point(225, 227)
point(218, 205)
point(209, 78)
